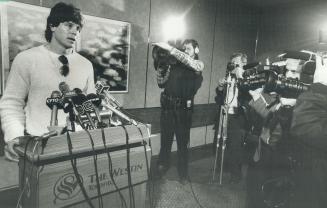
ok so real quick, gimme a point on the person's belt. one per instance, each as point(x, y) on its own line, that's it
point(172, 102)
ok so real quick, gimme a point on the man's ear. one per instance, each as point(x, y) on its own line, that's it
point(196, 50)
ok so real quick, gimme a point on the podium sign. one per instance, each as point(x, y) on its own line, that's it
point(51, 181)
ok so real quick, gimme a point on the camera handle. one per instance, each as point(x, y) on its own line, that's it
point(222, 132)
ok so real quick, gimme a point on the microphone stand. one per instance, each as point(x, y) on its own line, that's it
point(222, 131)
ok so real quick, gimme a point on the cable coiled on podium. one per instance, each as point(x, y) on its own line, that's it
point(123, 201)
point(130, 185)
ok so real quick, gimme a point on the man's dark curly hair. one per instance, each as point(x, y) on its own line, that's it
point(194, 43)
point(62, 12)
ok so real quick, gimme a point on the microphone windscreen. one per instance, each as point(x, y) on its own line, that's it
point(63, 87)
point(95, 99)
point(78, 91)
point(55, 94)
point(100, 87)
point(79, 99)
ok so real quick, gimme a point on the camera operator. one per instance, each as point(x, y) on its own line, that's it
point(236, 119)
point(180, 80)
point(268, 174)
point(309, 128)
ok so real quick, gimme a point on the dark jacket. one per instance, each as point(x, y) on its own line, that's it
point(309, 123)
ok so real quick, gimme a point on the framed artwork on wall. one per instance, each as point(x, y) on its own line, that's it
point(22, 27)
point(105, 42)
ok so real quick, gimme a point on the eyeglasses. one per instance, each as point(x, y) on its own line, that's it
point(64, 70)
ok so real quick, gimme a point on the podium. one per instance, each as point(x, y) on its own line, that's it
point(47, 178)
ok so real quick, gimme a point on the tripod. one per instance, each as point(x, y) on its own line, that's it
point(222, 131)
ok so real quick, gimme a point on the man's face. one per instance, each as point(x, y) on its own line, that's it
point(238, 71)
point(65, 34)
point(238, 61)
point(189, 50)
point(293, 68)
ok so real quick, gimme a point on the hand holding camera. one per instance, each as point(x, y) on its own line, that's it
point(163, 45)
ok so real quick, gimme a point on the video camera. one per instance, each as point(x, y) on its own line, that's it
point(163, 57)
point(272, 77)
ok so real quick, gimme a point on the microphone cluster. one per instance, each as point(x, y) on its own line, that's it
point(84, 109)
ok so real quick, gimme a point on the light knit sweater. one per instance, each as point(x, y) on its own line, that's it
point(33, 77)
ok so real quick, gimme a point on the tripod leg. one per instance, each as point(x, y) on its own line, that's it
point(219, 131)
point(215, 163)
point(222, 160)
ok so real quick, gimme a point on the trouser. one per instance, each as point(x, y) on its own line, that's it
point(234, 151)
point(270, 181)
point(175, 121)
point(311, 179)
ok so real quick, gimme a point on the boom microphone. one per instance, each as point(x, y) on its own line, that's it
point(120, 114)
point(103, 89)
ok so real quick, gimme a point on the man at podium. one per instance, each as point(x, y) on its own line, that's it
point(36, 73)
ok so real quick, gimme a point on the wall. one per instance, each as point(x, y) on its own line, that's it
point(291, 27)
point(220, 26)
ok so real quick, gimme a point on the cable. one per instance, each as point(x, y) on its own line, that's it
point(130, 187)
point(147, 164)
point(148, 171)
point(24, 166)
point(95, 158)
point(73, 162)
point(194, 196)
point(123, 201)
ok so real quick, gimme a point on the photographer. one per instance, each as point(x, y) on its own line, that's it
point(309, 128)
point(268, 174)
point(236, 119)
point(180, 80)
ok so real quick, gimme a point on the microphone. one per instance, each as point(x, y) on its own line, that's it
point(103, 89)
point(81, 108)
point(104, 113)
point(64, 88)
point(95, 101)
point(47, 135)
point(120, 114)
point(88, 109)
point(54, 103)
point(71, 97)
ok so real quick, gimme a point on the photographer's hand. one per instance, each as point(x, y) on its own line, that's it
point(163, 45)
point(320, 75)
